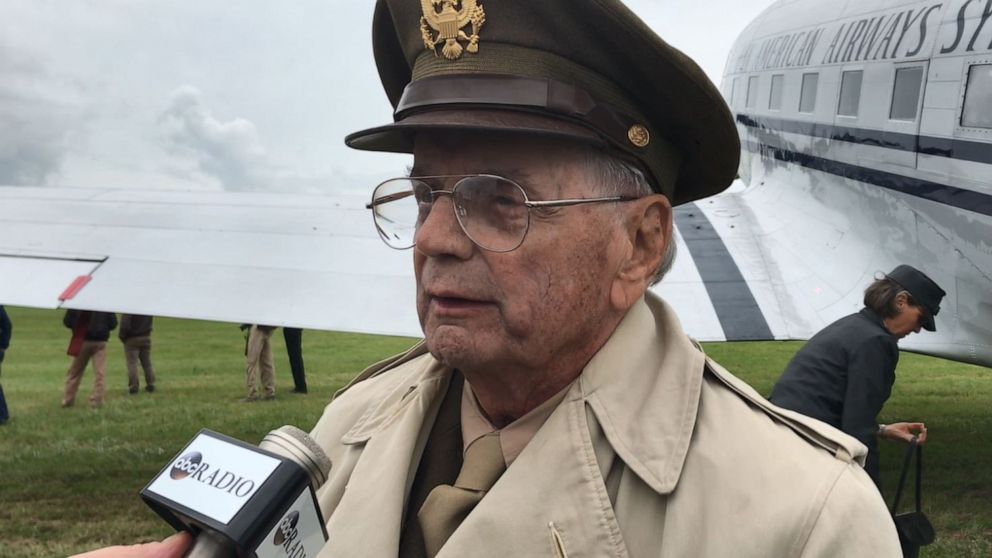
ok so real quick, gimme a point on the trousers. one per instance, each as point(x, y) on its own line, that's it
point(258, 361)
point(90, 350)
point(4, 414)
point(139, 349)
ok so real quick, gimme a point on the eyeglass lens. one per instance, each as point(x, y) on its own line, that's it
point(491, 210)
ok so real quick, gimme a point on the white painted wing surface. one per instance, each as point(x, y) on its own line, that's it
point(305, 261)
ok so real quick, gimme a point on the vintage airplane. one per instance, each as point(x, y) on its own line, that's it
point(866, 131)
point(867, 142)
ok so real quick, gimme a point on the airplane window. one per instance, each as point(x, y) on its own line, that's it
point(735, 93)
point(807, 97)
point(850, 93)
point(775, 99)
point(978, 97)
point(752, 92)
point(906, 93)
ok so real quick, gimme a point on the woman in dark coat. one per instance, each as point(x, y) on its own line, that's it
point(844, 374)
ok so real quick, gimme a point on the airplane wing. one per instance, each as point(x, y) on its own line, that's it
point(305, 261)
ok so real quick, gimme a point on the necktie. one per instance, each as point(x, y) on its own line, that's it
point(447, 506)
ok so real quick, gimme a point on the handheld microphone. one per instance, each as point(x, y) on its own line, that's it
point(243, 501)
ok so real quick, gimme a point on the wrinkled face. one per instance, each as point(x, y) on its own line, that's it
point(484, 311)
point(909, 319)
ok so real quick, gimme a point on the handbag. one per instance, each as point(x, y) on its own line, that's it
point(913, 527)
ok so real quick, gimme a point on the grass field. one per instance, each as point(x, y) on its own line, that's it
point(69, 478)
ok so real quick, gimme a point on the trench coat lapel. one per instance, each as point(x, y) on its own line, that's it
point(368, 520)
point(644, 387)
point(553, 489)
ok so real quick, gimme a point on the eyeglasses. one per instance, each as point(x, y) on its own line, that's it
point(494, 212)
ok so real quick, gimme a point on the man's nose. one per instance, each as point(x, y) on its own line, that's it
point(441, 234)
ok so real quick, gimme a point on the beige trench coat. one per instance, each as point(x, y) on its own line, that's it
point(653, 453)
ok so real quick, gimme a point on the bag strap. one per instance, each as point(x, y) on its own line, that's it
point(913, 448)
point(919, 476)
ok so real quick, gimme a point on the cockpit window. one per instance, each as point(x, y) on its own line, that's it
point(978, 97)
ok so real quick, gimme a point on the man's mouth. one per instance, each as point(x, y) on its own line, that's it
point(456, 304)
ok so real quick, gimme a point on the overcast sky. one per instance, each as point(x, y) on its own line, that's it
point(202, 96)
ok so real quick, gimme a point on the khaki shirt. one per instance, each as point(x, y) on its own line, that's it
point(514, 437)
point(653, 452)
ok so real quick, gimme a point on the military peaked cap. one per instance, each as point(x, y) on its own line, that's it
point(926, 293)
point(588, 70)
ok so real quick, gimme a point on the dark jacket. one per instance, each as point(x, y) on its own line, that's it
point(134, 325)
point(843, 376)
point(5, 330)
point(100, 326)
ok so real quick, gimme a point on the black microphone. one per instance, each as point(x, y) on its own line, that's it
point(242, 501)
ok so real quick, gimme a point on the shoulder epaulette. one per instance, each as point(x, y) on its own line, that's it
point(818, 433)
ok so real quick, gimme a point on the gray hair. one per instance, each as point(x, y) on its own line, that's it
point(618, 178)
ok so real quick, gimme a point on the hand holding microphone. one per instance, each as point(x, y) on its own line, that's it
point(172, 547)
point(238, 500)
point(242, 501)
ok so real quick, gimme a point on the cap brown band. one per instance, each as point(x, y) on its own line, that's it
point(545, 95)
point(554, 99)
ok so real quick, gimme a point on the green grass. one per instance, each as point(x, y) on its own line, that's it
point(69, 478)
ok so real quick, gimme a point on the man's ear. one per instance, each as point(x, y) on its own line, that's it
point(647, 232)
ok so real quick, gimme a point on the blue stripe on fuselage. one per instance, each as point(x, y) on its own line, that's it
point(934, 191)
point(962, 150)
point(736, 309)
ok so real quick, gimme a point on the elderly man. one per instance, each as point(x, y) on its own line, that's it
point(555, 407)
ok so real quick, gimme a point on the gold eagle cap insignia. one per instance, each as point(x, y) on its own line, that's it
point(443, 21)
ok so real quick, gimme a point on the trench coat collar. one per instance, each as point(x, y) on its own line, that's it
point(644, 387)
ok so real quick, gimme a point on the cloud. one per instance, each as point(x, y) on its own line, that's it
point(210, 149)
point(38, 116)
point(229, 151)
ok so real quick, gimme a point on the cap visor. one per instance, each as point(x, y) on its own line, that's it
point(398, 137)
point(928, 323)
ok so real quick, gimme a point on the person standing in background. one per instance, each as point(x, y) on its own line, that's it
point(90, 332)
point(136, 334)
point(5, 330)
point(258, 358)
point(294, 349)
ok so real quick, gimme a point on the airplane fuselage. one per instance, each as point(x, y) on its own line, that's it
point(866, 131)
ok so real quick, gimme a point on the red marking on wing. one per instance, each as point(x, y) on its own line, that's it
point(73, 289)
